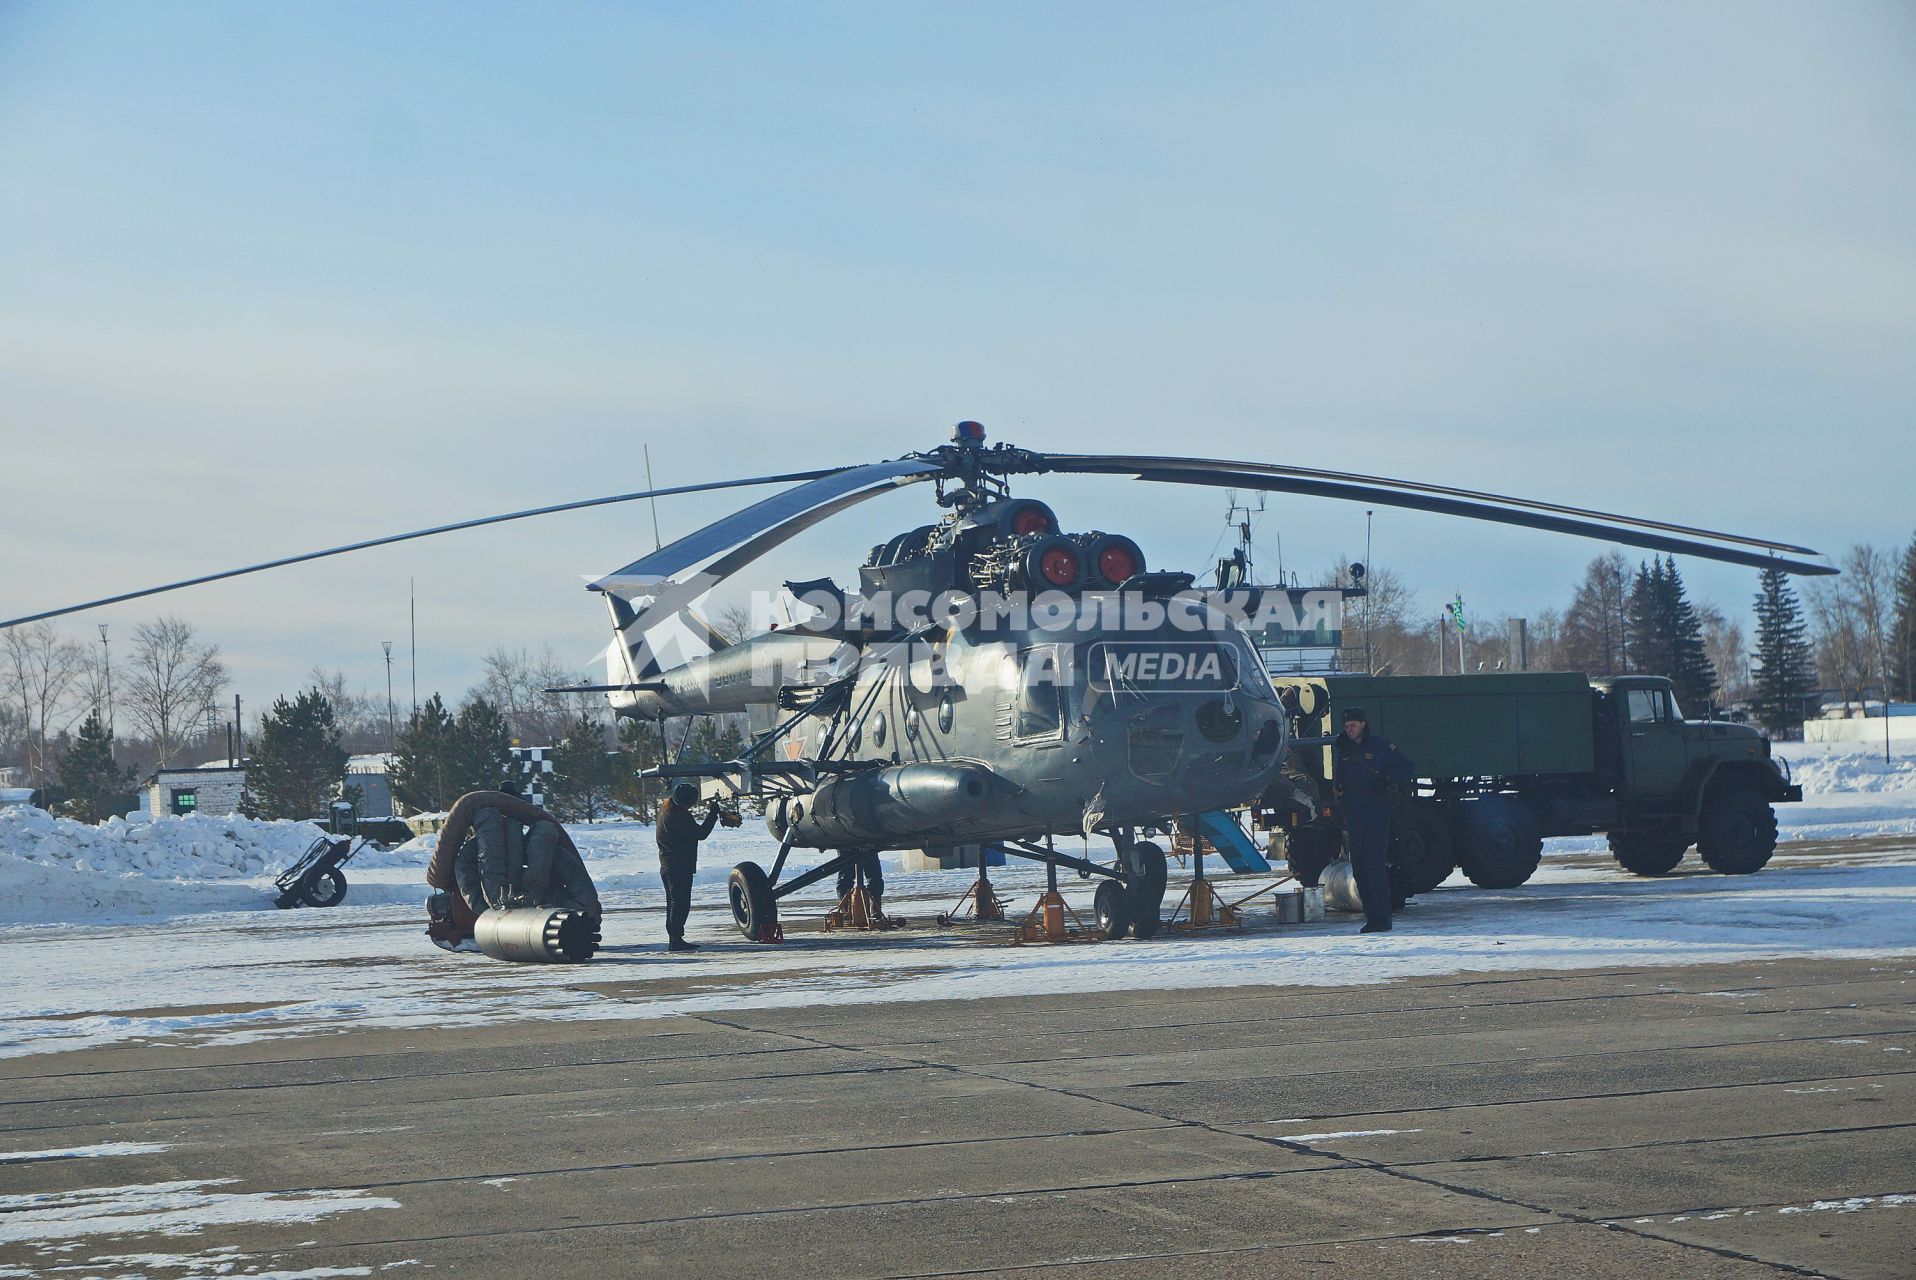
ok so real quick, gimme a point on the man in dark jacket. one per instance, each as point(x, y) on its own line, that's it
point(1368, 768)
point(679, 834)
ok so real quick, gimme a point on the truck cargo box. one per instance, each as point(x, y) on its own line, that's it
point(1491, 725)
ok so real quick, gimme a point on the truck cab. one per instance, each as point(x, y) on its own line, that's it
point(1674, 778)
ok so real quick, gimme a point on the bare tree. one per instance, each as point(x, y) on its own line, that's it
point(1723, 641)
point(1384, 627)
point(1593, 626)
point(733, 622)
point(38, 671)
point(1546, 641)
point(13, 747)
point(360, 716)
point(515, 681)
point(90, 684)
point(1850, 617)
point(175, 681)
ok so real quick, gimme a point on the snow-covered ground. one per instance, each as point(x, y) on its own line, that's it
point(55, 871)
point(165, 930)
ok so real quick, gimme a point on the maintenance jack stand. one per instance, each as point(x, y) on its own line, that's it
point(1046, 923)
point(1202, 909)
point(980, 901)
point(859, 909)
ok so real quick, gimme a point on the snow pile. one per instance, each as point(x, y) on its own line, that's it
point(58, 869)
point(194, 847)
point(1830, 768)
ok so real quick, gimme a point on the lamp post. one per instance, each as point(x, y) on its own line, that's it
point(106, 654)
point(392, 731)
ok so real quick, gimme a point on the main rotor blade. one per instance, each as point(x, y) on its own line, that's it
point(763, 526)
point(283, 561)
point(1657, 535)
point(808, 503)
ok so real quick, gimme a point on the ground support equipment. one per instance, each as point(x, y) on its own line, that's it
point(858, 909)
point(316, 879)
point(1202, 909)
point(1052, 919)
point(980, 902)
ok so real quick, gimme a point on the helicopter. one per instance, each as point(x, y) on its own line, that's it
point(993, 679)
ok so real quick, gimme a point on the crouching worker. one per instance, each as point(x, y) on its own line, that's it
point(679, 834)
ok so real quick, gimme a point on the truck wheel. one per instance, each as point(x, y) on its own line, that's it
point(1113, 913)
point(327, 889)
point(1144, 894)
point(1421, 847)
point(1501, 844)
point(753, 907)
point(1307, 852)
point(1737, 833)
point(1647, 853)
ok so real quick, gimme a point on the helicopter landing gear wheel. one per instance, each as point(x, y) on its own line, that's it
point(754, 909)
point(1144, 886)
point(1114, 916)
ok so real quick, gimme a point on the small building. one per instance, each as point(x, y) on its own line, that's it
point(372, 776)
point(214, 789)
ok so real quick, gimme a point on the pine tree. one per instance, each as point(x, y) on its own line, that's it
point(1786, 672)
point(640, 747)
point(298, 763)
point(1902, 643)
point(1647, 621)
point(1690, 667)
point(425, 772)
point(713, 739)
point(584, 772)
point(97, 788)
point(482, 750)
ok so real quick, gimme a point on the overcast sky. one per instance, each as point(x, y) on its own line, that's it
point(278, 276)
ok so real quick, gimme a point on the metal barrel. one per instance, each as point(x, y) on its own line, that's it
point(537, 935)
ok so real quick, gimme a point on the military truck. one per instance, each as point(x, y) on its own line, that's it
point(1504, 760)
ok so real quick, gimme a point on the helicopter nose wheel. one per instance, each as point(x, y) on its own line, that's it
point(754, 909)
point(1113, 908)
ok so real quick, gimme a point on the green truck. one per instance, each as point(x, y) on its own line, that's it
point(1504, 760)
